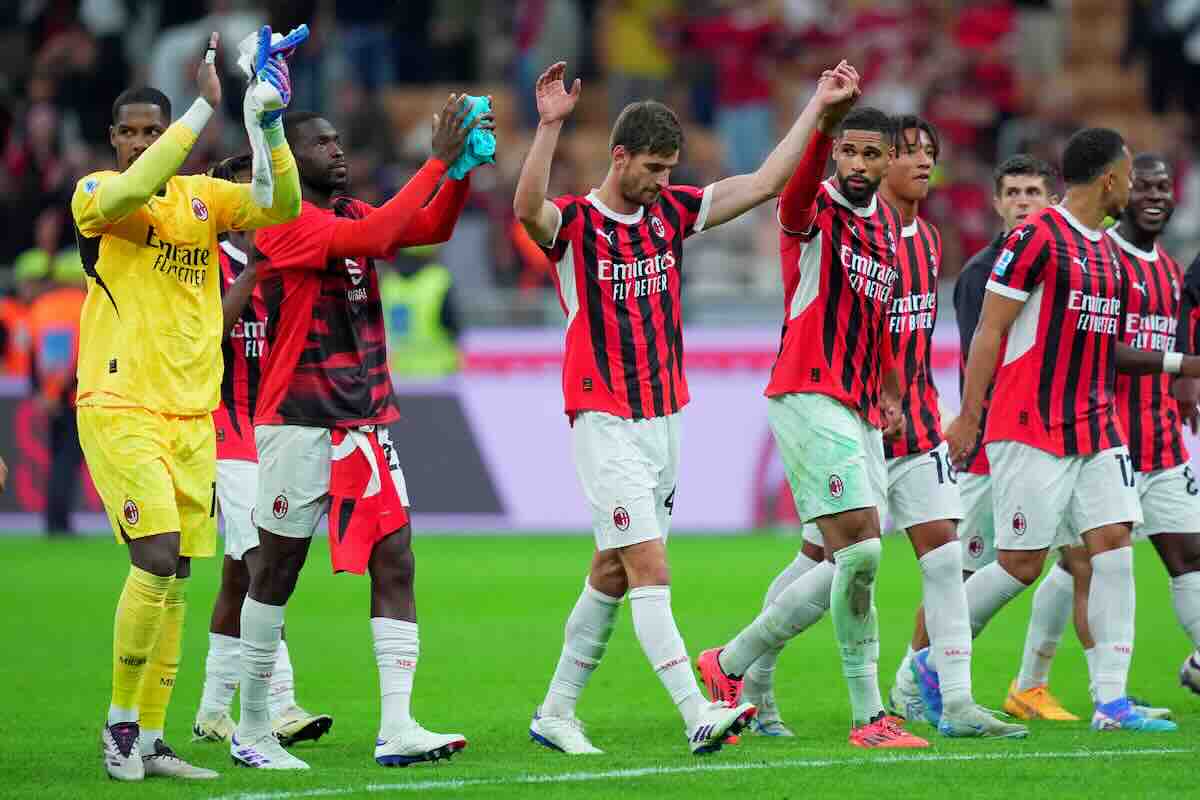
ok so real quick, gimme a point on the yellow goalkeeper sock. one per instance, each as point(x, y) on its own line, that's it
point(159, 680)
point(135, 632)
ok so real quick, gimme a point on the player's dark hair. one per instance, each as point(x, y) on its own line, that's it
point(868, 118)
point(1089, 153)
point(1149, 162)
point(228, 168)
point(911, 122)
point(138, 95)
point(1025, 165)
point(294, 119)
point(647, 126)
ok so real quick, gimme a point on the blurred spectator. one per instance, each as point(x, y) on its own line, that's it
point(546, 31)
point(743, 42)
point(637, 65)
point(420, 313)
point(1040, 32)
point(31, 271)
point(365, 41)
point(54, 348)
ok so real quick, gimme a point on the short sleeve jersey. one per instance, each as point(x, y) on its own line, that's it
point(1153, 288)
point(838, 279)
point(911, 317)
point(1056, 381)
point(242, 351)
point(150, 331)
point(327, 363)
point(618, 278)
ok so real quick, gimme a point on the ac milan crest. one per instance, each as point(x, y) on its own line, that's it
point(1018, 523)
point(621, 518)
point(199, 209)
point(131, 512)
point(660, 230)
point(836, 486)
point(279, 507)
point(975, 546)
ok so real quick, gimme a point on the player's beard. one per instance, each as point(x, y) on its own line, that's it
point(862, 196)
point(636, 193)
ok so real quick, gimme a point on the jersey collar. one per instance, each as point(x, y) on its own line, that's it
point(1128, 246)
point(909, 231)
point(841, 200)
point(624, 219)
point(1084, 230)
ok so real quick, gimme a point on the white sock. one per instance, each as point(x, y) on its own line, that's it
point(760, 676)
point(117, 714)
point(262, 630)
point(396, 649)
point(948, 623)
point(1185, 596)
point(904, 676)
point(656, 631)
point(1111, 605)
point(588, 630)
point(988, 590)
point(796, 609)
point(1090, 656)
point(283, 682)
point(1053, 603)
point(149, 737)
point(222, 670)
point(856, 625)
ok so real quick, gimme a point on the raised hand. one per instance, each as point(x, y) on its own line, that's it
point(206, 75)
point(554, 102)
point(449, 133)
point(837, 91)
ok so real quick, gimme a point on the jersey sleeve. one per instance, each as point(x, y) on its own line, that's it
point(85, 205)
point(570, 219)
point(1188, 340)
point(692, 204)
point(1020, 266)
point(300, 244)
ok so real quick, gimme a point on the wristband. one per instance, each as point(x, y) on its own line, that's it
point(197, 116)
point(1173, 363)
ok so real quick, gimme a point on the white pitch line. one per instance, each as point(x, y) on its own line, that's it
point(643, 772)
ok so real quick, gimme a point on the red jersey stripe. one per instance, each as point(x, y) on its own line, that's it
point(1153, 284)
point(242, 350)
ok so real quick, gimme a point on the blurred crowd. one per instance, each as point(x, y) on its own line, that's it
point(995, 76)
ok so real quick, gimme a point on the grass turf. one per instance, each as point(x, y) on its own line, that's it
point(492, 611)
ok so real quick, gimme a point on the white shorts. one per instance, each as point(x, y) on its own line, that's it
point(922, 488)
point(293, 477)
point(1170, 501)
point(237, 485)
point(628, 469)
point(976, 531)
point(1041, 500)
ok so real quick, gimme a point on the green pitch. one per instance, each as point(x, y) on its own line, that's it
point(491, 613)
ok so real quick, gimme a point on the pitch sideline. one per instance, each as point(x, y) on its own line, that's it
point(642, 772)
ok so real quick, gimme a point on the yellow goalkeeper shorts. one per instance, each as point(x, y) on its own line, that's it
point(154, 473)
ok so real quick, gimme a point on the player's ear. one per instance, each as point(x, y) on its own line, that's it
point(1055, 199)
point(620, 155)
point(112, 135)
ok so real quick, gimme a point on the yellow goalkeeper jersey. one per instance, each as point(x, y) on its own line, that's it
point(151, 326)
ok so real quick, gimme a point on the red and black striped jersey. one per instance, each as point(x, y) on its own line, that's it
point(911, 317)
point(1055, 385)
point(1153, 287)
point(838, 278)
point(242, 351)
point(618, 278)
point(327, 366)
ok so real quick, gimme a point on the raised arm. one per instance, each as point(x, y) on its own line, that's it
point(118, 196)
point(539, 216)
point(836, 92)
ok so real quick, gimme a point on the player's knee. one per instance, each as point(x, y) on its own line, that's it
point(158, 555)
point(1180, 553)
point(608, 577)
point(1024, 565)
point(276, 580)
point(397, 571)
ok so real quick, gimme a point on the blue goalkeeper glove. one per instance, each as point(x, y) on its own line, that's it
point(270, 65)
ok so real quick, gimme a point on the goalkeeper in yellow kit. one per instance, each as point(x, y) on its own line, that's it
point(149, 377)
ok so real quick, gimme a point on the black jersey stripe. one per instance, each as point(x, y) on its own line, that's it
point(649, 329)
point(595, 299)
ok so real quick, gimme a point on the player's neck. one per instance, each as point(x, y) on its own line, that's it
point(610, 194)
point(909, 209)
point(319, 198)
point(1085, 206)
point(1142, 240)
